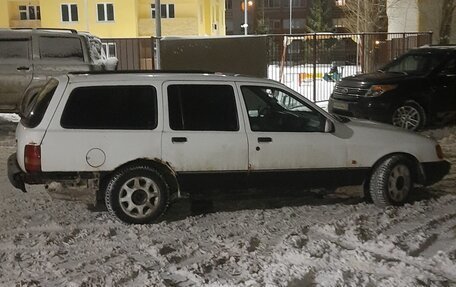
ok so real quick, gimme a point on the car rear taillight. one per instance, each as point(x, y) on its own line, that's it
point(32, 158)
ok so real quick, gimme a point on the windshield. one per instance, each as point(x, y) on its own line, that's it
point(414, 64)
point(36, 106)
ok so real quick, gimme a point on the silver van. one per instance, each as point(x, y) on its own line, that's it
point(29, 57)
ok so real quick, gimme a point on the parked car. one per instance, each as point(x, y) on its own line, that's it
point(29, 57)
point(139, 140)
point(412, 91)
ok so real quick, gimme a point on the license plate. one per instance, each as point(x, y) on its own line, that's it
point(340, 106)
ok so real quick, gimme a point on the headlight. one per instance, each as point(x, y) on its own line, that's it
point(377, 90)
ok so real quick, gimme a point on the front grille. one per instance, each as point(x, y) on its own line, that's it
point(342, 91)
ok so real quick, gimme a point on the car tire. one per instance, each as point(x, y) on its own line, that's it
point(409, 115)
point(137, 194)
point(391, 181)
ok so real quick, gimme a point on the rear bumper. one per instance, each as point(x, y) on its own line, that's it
point(435, 171)
point(15, 173)
point(18, 178)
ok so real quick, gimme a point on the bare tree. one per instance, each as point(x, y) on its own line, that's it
point(446, 21)
point(366, 15)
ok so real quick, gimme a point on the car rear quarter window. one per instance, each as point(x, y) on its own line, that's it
point(111, 107)
point(68, 48)
point(36, 106)
point(14, 49)
point(202, 108)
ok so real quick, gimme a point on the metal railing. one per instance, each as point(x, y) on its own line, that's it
point(311, 64)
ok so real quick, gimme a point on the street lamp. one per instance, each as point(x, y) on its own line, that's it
point(291, 15)
point(247, 3)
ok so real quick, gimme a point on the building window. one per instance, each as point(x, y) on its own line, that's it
point(338, 22)
point(340, 2)
point(276, 24)
point(167, 10)
point(296, 3)
point(299, 23)
point(69, 12)
point(105, 12)
point(271, 3)
point(110, 49)
point(29, 12)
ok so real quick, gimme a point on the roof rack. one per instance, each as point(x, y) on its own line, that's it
point(143, 72)
point(73, 31)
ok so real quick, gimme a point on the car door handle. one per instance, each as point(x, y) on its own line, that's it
point(179, 139)
point(23, 68)
point(264, 139)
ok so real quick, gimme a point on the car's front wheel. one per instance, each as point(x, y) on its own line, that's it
point(409, 115)
point(391, 181)
point(137, 194)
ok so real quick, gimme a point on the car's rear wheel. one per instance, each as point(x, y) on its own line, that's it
point(391, 181)
point(137, 194)
point(409, 115)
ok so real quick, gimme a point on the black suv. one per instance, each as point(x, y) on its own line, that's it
point(414, 90)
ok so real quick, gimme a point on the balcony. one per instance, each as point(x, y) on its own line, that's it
point(25, 23)
point(170, 27)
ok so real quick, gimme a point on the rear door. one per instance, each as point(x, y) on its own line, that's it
point(15, 71)
point(204, 139)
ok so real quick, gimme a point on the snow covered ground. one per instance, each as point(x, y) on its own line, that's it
point(305, 239)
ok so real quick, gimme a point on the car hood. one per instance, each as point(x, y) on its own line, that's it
point(368, 141)
point(361, 123)
point(379, 77)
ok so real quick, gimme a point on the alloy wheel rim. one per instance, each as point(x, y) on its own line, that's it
point(139, 197)
point(407, 117)
point(399, 183)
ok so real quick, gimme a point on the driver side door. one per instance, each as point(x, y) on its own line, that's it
point(287, 142)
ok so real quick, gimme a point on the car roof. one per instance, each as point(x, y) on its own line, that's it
point(27, 32)
point(434, 49)
point(125, 76)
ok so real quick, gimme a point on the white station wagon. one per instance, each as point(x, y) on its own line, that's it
point(139, 140)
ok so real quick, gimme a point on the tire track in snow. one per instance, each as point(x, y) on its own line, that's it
point(381, 247)
point(423, 229)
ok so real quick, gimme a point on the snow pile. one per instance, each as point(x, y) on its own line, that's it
point(306, 240)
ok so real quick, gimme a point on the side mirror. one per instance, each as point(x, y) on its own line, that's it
point(329, 126)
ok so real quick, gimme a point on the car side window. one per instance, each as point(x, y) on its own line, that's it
point(274, 110)
point(67, 48)
point(202, 108)
point(449, 68)
point(111, 107)
point(14, 49)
